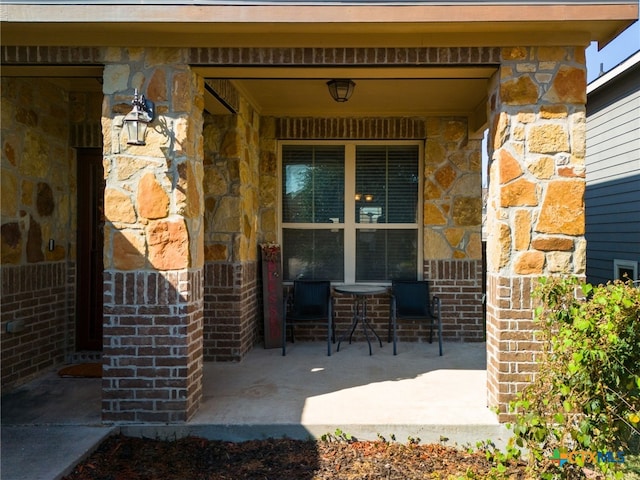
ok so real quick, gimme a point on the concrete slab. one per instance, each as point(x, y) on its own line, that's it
point(49, 424)
point(307, 394)
point(47, 452)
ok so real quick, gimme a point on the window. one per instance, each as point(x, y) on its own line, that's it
point(625, 270)
point(351, 211)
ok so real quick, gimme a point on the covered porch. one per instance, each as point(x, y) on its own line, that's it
point(306, 394)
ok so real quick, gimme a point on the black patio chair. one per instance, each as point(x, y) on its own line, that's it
point(410, 300)
point(308, 302)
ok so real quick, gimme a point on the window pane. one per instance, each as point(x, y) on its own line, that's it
point(383, 255)
point(313, 184)
point(387, 184)
point(313, 254)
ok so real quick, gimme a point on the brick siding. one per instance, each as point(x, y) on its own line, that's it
point(232, 318)
point(152, 350)
point(38, 295)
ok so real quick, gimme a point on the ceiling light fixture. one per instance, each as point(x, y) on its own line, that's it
point(341, 89)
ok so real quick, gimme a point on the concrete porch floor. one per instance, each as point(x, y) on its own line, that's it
point(306, 394)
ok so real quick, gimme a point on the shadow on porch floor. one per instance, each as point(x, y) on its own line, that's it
point(50, 423)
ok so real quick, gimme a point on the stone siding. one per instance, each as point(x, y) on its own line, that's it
point(154, 235)
point(38, 178)
point(232, 318)
point(535, 211)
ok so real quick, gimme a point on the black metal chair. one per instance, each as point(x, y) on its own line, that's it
point(410, 300)
point(308, 302)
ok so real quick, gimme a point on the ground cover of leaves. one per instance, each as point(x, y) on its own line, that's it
point(193, 458)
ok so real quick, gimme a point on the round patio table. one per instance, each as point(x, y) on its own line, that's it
point(359, 294)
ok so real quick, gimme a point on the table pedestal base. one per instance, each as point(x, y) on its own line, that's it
point(360, 316)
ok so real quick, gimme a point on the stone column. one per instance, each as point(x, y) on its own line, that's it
point(535, 210)
point(153, 258)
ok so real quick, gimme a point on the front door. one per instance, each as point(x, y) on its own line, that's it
point(89, 252)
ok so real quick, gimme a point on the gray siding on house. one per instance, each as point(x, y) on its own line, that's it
point(612, 197)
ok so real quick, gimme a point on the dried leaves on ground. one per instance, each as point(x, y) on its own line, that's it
point(126, 458)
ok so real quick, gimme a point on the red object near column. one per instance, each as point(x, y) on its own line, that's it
point(272, 294)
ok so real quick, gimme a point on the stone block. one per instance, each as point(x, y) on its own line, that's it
point(522, 229)
point(118, 207)
point(519, 91)
point(436, 246)
point(562, 210)
point(433, 215)
point(519, 193)
point(548, 138)
point(152, 200)
point(529, 263)
point(542, 168)
point(568, 86)
point(509, 167)
point(548, 244)
point(168, 243)
point(9, 194)
point(128, 250)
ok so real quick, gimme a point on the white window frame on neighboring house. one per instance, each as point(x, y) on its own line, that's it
point(621, 266)
point(352, 228)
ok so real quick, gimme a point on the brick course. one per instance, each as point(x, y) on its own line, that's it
point(39, 296)
point(153, 346)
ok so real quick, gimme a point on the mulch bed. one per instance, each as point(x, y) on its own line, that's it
point(192, 458)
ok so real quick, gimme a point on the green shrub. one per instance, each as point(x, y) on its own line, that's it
point(586, 394)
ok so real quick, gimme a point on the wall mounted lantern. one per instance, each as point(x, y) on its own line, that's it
point(138, 119)
point(341, 89)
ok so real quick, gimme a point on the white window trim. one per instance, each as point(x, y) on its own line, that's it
point(350, 184)
point(626, 264)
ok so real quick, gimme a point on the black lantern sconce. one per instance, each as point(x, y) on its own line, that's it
point(138, 119)
point(341, 89)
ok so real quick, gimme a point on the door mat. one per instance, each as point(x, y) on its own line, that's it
point(82, 370)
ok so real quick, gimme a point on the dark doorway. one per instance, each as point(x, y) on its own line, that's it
point(89, 250)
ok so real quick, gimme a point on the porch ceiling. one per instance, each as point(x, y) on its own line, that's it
point(303, 91)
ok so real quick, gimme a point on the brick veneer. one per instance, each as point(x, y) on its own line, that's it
point(405, 128)
point(153, 346)
point(39, 296)
point(231, 306)
point(341, 56)
point(511, 344)
point(269, 56)
point(458, 283)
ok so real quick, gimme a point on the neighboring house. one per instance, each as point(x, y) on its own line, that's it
point(150, 252)
point(612, 198)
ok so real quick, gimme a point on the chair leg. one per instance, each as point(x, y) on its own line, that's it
point(395, 336)
point(440, 335)
point(284, 336)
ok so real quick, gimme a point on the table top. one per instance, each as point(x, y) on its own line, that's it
point(360, 289)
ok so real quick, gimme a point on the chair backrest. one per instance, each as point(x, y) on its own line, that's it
point(412, 298)
point(311, 299)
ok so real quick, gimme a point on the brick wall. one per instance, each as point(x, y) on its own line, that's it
point(37, 295)
point(459, 285)
point(231, 306)
point(153, 346)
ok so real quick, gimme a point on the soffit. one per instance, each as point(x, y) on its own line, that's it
point(302, 91)
point(346, 25)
